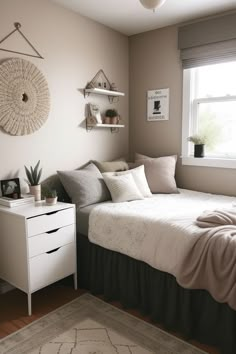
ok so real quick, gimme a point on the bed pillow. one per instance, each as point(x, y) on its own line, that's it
point(111, 166)
point(140, 180)
point(85, 186)
point(141, 157)
point(122, 188)
point(160, 173)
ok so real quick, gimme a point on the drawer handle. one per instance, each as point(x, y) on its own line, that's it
point(51, 212)
point(52, 231)
point(52, 251)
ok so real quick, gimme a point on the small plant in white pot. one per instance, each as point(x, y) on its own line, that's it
point(33, 175)
point(50, 195)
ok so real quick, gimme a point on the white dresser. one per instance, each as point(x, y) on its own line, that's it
point(37, 245)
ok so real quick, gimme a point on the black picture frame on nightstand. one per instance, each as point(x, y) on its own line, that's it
point(11, 188)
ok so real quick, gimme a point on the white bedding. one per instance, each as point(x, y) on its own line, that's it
point(158, 230)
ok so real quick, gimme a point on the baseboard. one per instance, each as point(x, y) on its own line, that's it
point(5, 287)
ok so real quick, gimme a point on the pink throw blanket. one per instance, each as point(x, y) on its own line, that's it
point(211, 260)
point(217, 217)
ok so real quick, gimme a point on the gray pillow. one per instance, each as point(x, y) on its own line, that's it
point(160, 172)
point(112, 166)
point(85, 186)
point(141, 157)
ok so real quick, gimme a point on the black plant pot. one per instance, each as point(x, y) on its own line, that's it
point(199, 150)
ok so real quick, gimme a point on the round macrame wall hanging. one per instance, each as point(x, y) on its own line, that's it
point(24, 97)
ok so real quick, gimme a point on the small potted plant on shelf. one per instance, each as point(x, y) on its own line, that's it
point(111, 116)
point(50, 195)
point(33, 175)
point(199, 142)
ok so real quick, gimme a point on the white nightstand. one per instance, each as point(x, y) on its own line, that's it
point(37, 245)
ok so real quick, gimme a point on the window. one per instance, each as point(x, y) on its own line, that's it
point(209, 108)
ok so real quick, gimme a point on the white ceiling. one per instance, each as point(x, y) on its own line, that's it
point(130, 17)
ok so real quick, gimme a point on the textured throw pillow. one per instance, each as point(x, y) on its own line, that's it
point(122, 188)
point(111, 166)
point(140, 180)
point(85, 186)
point(160, 173)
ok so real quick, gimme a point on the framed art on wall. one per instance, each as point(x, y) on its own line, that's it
point(158, 105)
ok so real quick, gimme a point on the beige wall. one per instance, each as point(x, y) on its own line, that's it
point(74, 48)
point(155, 64)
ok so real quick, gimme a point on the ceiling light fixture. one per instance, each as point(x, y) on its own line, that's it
point(152, 4)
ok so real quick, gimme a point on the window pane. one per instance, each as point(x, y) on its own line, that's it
point(217, 121)
point(215, 80)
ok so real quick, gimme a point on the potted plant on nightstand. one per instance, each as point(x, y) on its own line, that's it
point(199, 142)
point(33, 175)
point(50, 195)
point(111, 116)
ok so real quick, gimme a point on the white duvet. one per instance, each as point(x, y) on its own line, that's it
point(157, 230)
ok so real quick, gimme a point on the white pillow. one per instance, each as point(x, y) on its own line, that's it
point(122, 188)
point(140, 179)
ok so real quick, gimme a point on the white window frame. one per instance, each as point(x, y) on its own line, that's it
point(190, 107)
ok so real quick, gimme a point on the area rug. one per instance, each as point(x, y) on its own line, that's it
point(88, 325)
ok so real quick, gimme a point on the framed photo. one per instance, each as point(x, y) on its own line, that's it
point(11, 188)
point(158, 105)
point(95, 112)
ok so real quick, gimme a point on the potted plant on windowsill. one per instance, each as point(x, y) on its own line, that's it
point(50, 195)
point(111, 116)
point(33, 175)
point(199, 142)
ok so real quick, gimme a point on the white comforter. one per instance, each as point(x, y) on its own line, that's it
point(157, 230)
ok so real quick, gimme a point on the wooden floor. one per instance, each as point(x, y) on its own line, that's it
point(13, 308)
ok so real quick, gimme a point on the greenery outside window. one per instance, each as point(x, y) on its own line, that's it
point(209, 109)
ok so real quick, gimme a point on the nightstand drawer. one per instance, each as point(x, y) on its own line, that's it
point(50, 240)
point(50, 267)
point(50, 221)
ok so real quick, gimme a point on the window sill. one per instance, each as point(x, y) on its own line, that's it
point(208, 162)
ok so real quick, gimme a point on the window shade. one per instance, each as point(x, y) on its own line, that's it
point(208, 42)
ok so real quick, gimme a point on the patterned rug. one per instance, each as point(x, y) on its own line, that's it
point(88, 325)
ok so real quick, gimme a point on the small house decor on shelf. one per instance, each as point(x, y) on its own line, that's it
point(100, 80)
point(101, 85)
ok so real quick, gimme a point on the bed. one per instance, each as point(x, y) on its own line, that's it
point(120, 275)
point(151, 273)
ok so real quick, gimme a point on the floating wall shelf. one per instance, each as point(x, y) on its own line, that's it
point(99, 91)
point(113, 127)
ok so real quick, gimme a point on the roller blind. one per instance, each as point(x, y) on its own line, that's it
point(208, 42)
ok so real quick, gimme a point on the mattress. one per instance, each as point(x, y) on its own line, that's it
point(82, 218)
point(149, 229)
point(161, 231)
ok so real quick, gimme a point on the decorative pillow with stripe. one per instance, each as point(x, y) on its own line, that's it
point(122, 188)
point(139, 178)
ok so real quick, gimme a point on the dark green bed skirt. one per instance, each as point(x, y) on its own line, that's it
point(194, 313)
